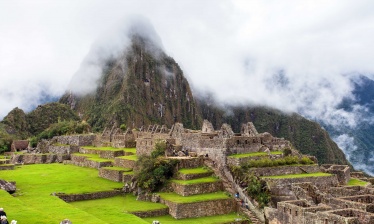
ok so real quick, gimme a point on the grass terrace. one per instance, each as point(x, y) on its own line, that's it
point(196, 181)
point(117, 168)
point(132, 157)
point(35, 183)
point(255, 154)
point(117, 209)
point(194, 198)
point(356, 182)
point(194, 170)
point(93, 157)
point(302, 175)
point(103, 148)
point(201, 220)
point(133, 150)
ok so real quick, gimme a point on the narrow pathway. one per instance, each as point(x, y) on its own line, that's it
point(256, 216)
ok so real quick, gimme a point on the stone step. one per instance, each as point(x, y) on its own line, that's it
point(197, 186)
point(189, 174)
point(113, 173)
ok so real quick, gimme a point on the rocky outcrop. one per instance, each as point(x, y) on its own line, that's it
point(10, 187)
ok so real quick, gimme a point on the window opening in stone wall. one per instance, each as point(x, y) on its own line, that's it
point(237, 142)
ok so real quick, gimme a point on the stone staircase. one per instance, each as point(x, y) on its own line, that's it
point(5, 164)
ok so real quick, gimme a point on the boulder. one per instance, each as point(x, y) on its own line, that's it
point(10, 187)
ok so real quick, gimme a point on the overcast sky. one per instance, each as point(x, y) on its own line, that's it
point(292, 55)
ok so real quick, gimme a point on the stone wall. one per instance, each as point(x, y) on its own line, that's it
point(7, 167)
point(188, 162)
point(343, 172)
point(88, 196)
point(284, 170)
point(192, 189)
point(361, 202)
point(191, 176)
point(152, 213)
point(113, 175)
point(83, 161)
point(63, 149)
point(125, 163)
point(111, 154)
point(38, 158)
point(76, 140)
point(199, 209)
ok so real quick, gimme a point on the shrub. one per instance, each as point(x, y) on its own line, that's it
point(258, 190)
point(159, 150)
point(306, 160)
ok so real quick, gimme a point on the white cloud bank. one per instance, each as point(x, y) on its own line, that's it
point(293, 55)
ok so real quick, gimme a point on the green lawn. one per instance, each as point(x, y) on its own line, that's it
point(255, 154)
point(356, 182)
point(319, 174)
point(194, 198)
point(197, 181)
point(35, 183)
point(194, 170)
point(116, 209)
point(201, 220)
point(133, 150)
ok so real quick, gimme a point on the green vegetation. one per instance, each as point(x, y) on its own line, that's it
point(131, 157)
point(197, 181)
point(356, 182)
point(152, 172)
point(255, 154)
point(198, 170)
point(258, 190)
point(319, 174)
point(193, 198)
point(132, 150)
point(288, 160)
point(35, 183)
point(61, 128)
point(201, 220)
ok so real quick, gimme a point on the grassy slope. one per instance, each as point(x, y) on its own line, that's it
point(35, 183)
point(202, 220)
point(356, 182)
point(116, 208)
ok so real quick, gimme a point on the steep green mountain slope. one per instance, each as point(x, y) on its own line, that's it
point(141, 87)
point(19, 125)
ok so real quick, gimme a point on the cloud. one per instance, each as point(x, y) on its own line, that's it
point(292, 55)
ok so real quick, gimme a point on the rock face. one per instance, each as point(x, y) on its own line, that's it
point(143, 86)
point(8, 186)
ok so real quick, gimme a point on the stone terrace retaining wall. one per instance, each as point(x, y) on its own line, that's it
point(77, 140)
point(199, 209)
point(125, 163)
point(191, 176)
point(192, 189)
point(127, 177)
point(284, 170)
point(38, 158)
point(107, 154)
point(113, 175)
point(190, 163)
point(153, 213)
point(323, 183)
point(7, 167)
point(88, 196)
point(82, 161)
point(63, 149)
